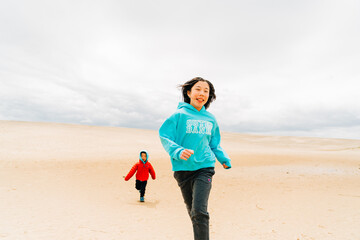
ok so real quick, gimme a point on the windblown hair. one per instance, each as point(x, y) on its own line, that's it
point(188, 86)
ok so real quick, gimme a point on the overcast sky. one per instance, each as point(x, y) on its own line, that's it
point(279, 67)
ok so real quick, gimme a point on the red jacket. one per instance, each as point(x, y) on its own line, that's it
point(142, 171)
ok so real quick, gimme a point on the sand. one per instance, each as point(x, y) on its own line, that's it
point(64, 181)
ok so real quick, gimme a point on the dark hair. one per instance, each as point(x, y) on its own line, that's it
point(189, 84)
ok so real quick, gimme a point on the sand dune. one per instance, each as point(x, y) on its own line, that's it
point(64, 181)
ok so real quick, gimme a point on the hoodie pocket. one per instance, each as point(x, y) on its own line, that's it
point(204, 155)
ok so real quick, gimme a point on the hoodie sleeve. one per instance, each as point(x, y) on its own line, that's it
point(219, 152)
point(132, 172)
point(167, 134)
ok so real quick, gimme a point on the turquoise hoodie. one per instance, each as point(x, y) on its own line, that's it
point(189, 128)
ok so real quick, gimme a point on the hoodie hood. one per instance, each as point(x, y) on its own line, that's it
point(147, 156)
point(189, 107)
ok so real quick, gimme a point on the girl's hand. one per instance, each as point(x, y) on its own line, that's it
point(224, 165)
point(185, 154)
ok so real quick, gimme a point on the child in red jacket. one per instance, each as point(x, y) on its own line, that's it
point(142, 169)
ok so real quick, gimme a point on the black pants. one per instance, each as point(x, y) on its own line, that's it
point(141, 186)
point(195, 188)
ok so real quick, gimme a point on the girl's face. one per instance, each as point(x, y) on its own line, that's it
point(199, 94)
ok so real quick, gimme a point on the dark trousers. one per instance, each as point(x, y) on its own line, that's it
point(195, 188)
point(141, 186)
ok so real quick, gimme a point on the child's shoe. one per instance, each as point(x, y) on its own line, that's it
point(142, 199)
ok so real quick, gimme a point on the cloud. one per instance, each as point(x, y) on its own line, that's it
point(280, 67)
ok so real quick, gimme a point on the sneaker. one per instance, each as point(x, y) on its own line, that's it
point(142, 199)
